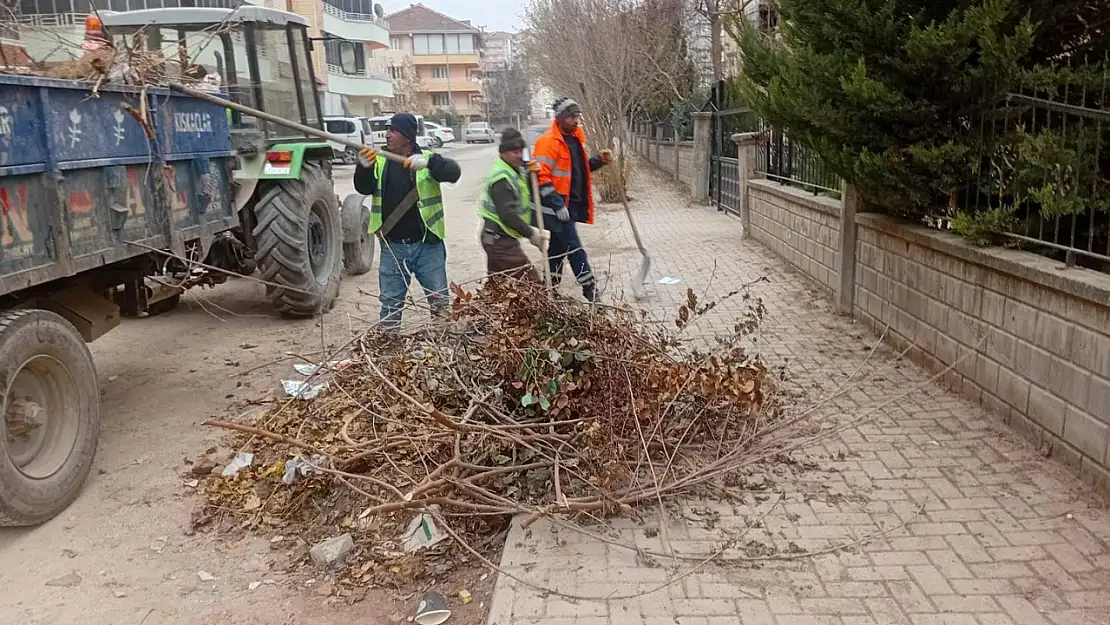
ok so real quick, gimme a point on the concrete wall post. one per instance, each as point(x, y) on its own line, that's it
point(747, 144)
point(703, 152)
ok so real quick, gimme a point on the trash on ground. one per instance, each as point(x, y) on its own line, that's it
point(241, 461)
point(465, 597)
point(421, 533)
point(302, 390)
point(205, 576)
point(432, 609)
point(331, 552)
point(301, 467)
point(333, 365)
point(669, 280)
point(253, 585)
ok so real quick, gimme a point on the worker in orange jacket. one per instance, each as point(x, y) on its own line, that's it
point(566, 192)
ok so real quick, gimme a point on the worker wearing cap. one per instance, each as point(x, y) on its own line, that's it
point(506, 211)
point(566, 192)
point(406, 213)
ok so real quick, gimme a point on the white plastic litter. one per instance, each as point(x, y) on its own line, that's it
point(334, 365)
point(241, 461)
point(669, 280)
point(302, 390)
point(421, 533)
point(301, 466)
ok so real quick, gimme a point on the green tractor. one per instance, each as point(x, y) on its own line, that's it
point(291, 227)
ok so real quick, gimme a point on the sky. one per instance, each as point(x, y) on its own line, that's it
point(492, 14)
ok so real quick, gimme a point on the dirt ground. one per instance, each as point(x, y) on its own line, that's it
point(121, 554)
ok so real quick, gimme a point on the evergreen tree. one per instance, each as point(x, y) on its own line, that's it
point(894, 94)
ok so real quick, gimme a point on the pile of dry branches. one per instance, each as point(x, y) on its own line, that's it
point(523, 403)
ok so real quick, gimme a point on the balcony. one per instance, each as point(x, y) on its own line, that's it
point(446, 59)
point(356, 27)
point(458, 84)
point(369, 83)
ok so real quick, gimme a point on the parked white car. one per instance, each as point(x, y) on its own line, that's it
point(439, 135)
point(478, 132)
point(380, 124)
point(355, 129)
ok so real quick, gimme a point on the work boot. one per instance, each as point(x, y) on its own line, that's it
point(589, 291)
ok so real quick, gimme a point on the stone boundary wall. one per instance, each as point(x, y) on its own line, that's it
point(1031, 339)
point(802, 228)
point(1027, 338)
point(662, 155)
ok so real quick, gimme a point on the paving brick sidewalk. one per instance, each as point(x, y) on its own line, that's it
point(996, 535)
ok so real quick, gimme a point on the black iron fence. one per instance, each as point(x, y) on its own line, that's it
point(724, 166)
point(790, 163)
point(1043, 181)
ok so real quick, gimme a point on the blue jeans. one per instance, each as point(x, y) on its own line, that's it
point(566, 246)
point(399, 261)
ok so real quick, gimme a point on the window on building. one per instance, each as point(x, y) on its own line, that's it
point(396, 43)
point(396, 72)
point(441, 99)
point(439, 72)
point(768, 18)
point(459, 44)
point(427, 44)
point(358, 7)
point(333, 53)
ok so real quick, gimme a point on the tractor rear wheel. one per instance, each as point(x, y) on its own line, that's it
point(300, 243)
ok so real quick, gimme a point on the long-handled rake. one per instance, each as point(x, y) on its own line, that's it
point(538, 210)
point(640, 278)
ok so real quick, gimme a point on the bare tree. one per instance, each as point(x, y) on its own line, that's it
point(612, 56)
point(407, 87)
point(715, 13)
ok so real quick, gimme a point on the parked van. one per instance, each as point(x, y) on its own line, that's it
point(353, 129)
point(378, 126)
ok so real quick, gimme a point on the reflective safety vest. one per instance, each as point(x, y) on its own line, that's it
point(519, 181)
point(553, 155)
point(429, 199)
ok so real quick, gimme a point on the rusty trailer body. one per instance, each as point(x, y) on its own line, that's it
point(81, 178)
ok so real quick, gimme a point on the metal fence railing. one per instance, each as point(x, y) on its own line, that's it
point(790, 163)
point(724, 166)
point(1045, 173)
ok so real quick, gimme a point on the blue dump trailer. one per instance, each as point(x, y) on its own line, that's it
point(114, 200)
point(87, 191)
point(85, 184)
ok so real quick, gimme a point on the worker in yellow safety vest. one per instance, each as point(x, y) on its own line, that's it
point(411, 240)
point(506, 212)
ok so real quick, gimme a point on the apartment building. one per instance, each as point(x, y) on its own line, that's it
point(369, 89)
point(447, 55)
point(499, 50)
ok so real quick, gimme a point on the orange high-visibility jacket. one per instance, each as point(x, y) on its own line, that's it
point(553, 155)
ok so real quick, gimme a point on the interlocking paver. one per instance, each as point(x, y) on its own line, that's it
point(994, 534)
